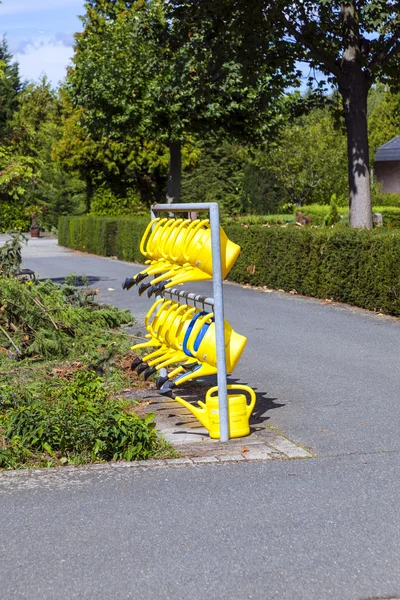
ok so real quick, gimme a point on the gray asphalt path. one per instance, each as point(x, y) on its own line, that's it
point(325, 528)
point(327, 376)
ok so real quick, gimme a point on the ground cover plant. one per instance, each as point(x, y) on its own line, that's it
point(63, 365)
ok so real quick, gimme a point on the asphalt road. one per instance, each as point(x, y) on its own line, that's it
point(324, 528)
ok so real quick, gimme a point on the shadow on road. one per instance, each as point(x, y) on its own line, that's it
point(90, 279)
point(264, 404)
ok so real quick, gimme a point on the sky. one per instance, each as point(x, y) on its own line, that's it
point(40, 35)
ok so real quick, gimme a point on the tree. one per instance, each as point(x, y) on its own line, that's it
point(353, 43)
point(307, 162)
point(119, 163)
point(138, 73)
point(10, 87)
point(384, 121)
point(217, 176)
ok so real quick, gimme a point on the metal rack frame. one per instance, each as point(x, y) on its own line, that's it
point(217, 302)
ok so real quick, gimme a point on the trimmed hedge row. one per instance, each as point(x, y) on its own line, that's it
point(318, 212)
point(357, 267)
point(106, 236)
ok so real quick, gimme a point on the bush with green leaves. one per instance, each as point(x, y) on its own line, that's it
point(106, 203)
point(357, 267)
point(46, 321)
point(77, 421)
point(14, 217)
point(105, 236)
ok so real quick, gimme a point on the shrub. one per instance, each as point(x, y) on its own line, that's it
point(390, 215)
point(77, 420)
point(381, 198)
point(13, 217)
point(105, 236)
point(332, 217)
point(358, 267)
point(106, 203)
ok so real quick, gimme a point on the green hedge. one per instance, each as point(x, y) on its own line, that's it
point(317, 213)
point(106, 236)
point(357, 267)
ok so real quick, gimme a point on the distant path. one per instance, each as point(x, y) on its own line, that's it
point(317, 529)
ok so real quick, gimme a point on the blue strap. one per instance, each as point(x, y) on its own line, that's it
point(201, 334)
point(189, 331)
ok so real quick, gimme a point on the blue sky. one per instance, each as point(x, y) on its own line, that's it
point(40, 35)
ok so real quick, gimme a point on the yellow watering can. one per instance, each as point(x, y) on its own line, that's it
point(239, 411)
point(197, 249)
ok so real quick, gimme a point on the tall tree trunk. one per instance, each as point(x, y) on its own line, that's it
point(175, 169)
point(355, 112)
point(353, 88)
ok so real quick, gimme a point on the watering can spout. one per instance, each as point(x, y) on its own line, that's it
point(199, 413)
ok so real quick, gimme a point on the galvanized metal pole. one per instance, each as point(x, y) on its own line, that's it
point(219, 322)
point(213, 209)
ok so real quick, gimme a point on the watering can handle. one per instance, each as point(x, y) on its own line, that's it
point(170, 243)
point(166, 234)
point(154, 321)
point(191, 235)
point(244, 388)
point(191, 225)
point(150, 242)
point(196, 330)
point(166, 322)
point(144, 236)
point(154, 306)
point(161, 317)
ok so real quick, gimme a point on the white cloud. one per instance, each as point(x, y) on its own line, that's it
point(13, 7)
point(45, 56)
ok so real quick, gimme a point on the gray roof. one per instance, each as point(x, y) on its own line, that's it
point(389, 151)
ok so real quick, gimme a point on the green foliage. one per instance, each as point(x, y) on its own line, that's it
point(60, 402)
point(30, 180)
point(10, 254)
point(106, 203)
point(10, 87)
point(13, 217)
point(46, 321)
point(308, 161)
point(79, 419)
point(390, 215)
point(263, 219)
point(381, 198)
point(384, 121)
point(357, 267)
point(180, 82)
point(333, 214)
point(118, 237)
point(217, 176)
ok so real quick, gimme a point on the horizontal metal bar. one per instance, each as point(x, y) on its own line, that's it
point(188, 296)
point(193, 206)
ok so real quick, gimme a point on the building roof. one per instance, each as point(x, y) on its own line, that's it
point(389, 151)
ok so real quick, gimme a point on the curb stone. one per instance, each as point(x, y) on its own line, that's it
point(145, 465)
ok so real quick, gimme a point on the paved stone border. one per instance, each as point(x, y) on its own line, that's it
point(181, 429)
point(254, 452)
